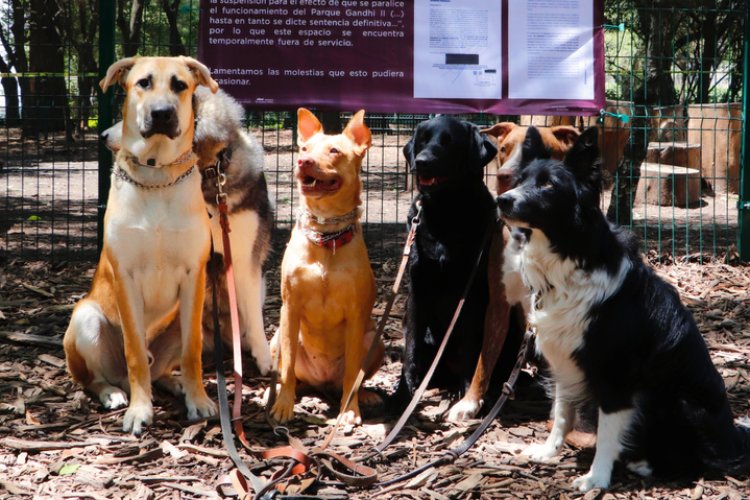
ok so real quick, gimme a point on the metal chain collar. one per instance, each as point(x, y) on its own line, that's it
point(123, 175)
point(329, 221)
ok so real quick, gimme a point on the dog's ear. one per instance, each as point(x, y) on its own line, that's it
point(307, 125)
point(533, 147)
point(583, 157)
point(358, 132)
point(565, 134)
point(117, 71)
point(409, 154)
point(499, 130)
point(481, 148)
point(201, 73)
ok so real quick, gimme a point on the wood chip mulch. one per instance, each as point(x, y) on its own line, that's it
point(58, 442)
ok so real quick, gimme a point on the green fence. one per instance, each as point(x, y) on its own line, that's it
point(673, 128)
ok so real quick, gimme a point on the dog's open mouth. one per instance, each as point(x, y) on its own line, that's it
point(426, 181)
point(310, 184)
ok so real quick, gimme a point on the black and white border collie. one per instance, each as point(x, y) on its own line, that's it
point(612, 331)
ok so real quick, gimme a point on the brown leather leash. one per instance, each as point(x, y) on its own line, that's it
point(508, 392)
point(438, 355)
point(257, 484)
point(221, 202)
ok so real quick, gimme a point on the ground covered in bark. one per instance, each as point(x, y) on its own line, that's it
point(58, 442)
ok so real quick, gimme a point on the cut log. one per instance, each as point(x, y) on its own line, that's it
point(669, 185)
point(681, 154)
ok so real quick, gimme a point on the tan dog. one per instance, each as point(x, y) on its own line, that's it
point(327, 285)
point(557, 139)
point(220, 138)
point(156, 244)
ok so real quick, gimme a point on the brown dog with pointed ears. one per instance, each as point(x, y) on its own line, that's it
point(327, 285)
point(156, 245)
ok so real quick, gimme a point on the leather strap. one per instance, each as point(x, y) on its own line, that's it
point(221, 387)
point(381, 327)
point(508, 393)
point(438, 355)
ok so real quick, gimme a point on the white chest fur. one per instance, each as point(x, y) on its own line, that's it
point(562, 298)
point(158, 237)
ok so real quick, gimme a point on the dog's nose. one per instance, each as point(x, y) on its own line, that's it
point(103, 136)
point(163, 116)
point(504, 202)
point(305, 162)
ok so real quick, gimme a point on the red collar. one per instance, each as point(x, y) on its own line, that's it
point(331, 241)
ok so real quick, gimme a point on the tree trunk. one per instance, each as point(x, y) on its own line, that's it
point(10, 92)
point(657, 89)
point(171, 10)
point(88, 20)
point(130, 30)
point(45, 106)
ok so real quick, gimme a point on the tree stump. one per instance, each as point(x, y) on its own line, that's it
point(682, 154)
point(669, 185)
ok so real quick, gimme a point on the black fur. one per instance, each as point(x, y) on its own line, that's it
point(642, 348)
point(448, 157)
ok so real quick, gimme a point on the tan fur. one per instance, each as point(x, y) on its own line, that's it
point(327, 297)
point(153, 258)
point(509, 136)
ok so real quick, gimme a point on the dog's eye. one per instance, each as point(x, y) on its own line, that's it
point(445, 139)
point(303, 148)
point(548, 185)
point(144, 83)
point(333, 151)
point(502, 149)
point(178, 85)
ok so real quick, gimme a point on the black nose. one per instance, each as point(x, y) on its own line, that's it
point(103, 136)
point(504, 202)
point(163, 116)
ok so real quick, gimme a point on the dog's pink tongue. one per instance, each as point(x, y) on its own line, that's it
point(427, 181)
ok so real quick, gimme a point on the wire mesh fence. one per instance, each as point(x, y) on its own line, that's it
point(671, 130)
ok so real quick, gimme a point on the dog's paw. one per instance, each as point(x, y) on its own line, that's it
point(591, 480)
point(540, 452)
point(137, 417)
point(200, 406)
point(283, 408)
point(351, 417)
point(369, 399)
point(263, 359)
point(642, 468)
point(113, 398)
point(170, 384)
point(464, 410)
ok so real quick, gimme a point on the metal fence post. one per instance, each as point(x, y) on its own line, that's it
point(105, 105)
point(743, 217)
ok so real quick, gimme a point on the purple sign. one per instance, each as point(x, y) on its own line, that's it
point(414, 56)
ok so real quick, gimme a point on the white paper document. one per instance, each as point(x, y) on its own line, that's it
point(457, 52)
point(551, 49)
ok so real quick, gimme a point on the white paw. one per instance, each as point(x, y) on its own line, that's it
point(263, 359)
point(137, 417)
point(540, 452)
point(591, 480)
point(642, 468)
point(464, 410)
point(113, 397)
point(351, 417)
point(200, 406)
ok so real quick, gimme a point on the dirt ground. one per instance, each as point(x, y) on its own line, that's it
point(58, 442)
